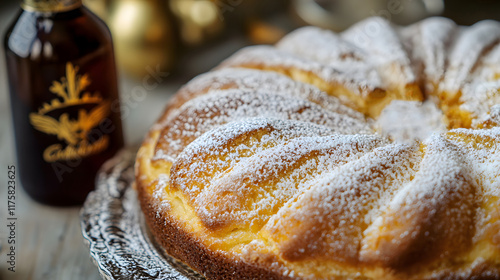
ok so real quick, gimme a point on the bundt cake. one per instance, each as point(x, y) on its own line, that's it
point(369, 154)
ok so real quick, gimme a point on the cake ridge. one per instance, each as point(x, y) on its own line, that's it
point(251, 79)
point(211, 110)
point(243, 178)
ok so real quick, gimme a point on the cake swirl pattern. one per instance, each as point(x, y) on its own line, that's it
point(271, 167)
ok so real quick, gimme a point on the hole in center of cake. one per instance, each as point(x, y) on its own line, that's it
point(409, 121)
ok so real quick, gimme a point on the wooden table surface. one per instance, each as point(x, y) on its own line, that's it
point(49, 243)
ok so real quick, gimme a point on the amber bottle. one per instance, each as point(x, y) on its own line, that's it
point(64, 97)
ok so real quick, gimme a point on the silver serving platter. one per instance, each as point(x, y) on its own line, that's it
point(113, 227)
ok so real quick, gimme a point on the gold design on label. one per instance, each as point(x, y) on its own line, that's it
point(74, 132)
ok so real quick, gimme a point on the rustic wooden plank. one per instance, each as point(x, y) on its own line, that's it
point(50, 243)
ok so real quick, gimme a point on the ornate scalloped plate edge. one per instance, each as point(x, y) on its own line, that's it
point(113, 228)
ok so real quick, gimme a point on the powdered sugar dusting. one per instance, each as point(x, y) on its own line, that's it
point(438, 202)
point(266, 81)
point(428, 42)
point(213, 110)
point(257, 187)
point(477, 98)
point(407, 121)
point(481, 156)
point(227, 145)
point(466, 51)
point(340, 54)
point(377, 37)
point(159, 191)
point(271, 58)
point(493, 118)
point(332, 215)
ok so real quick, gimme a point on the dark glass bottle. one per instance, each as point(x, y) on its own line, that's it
point(64, 97)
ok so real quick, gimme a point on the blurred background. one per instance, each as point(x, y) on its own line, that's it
point(179, 34)
point(169, 42)
point(187, 37)
point(179, 39)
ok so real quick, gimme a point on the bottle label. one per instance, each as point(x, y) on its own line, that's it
point(80, 133)
point(50, 5)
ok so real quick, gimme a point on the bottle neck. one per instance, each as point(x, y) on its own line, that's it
point(51, 6)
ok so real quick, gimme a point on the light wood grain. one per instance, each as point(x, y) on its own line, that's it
point(49, 243)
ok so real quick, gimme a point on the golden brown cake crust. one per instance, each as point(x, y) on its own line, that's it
point(181, 245)
point(270, 167)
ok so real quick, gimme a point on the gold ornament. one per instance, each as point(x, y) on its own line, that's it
point(199, 20)
point(143, 35)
